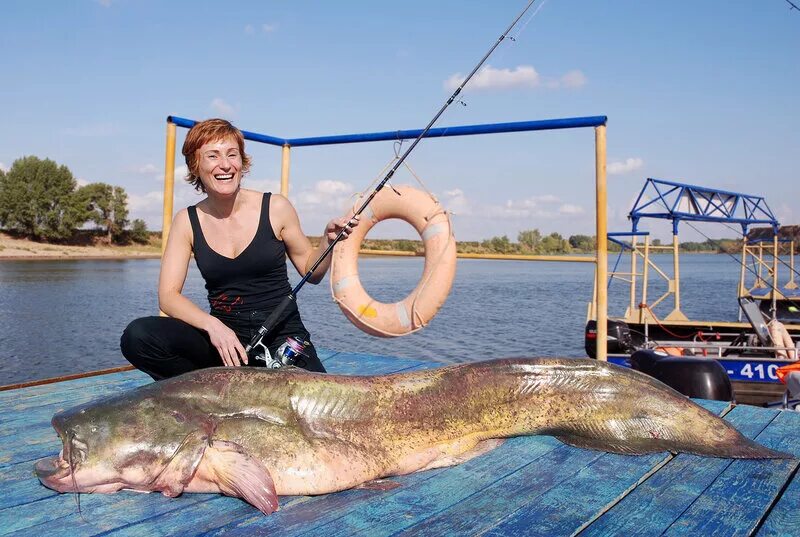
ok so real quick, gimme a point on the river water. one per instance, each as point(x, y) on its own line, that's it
point(66, 316)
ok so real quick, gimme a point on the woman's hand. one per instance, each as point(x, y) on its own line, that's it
point(337, 224)
point(227, 344)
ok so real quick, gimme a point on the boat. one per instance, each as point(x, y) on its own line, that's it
point(767, 292)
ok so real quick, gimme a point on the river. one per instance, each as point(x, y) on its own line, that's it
point(66, 316)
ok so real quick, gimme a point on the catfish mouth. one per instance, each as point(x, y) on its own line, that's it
point(55, 473)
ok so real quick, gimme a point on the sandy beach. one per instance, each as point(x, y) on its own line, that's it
point(12, 248)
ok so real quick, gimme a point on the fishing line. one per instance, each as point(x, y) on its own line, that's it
point(503, 52)
point(773, 287)
point(781, 261)
point(278, 312)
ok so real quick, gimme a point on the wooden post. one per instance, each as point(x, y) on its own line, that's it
point(169, 185)
point(632, 305)
point(643, 317)
point(676, 271)
point(774, 291)
point(285, 171)
point(791, 284)
point(602, 241)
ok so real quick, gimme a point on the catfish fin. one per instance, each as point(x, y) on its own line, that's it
point(379, 484)
point(607, 445)
point(482, 447)
point(182, 465)
point(240, 475)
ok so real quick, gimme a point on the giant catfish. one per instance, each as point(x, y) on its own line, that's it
point(258, 433)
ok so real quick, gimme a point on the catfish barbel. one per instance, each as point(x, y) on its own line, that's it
point(256, 433)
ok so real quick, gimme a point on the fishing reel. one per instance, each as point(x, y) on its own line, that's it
point(289, 353)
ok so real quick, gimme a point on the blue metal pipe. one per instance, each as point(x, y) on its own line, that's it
point(253, 136)
point(442, 132)
point(463, 130)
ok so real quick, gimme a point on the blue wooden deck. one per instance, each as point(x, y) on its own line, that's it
point(529, 486)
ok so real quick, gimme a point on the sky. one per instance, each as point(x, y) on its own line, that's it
point(704, 92)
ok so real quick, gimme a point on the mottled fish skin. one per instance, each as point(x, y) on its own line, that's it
point(255, 433)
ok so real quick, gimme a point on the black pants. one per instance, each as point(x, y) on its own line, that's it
point(164, 347)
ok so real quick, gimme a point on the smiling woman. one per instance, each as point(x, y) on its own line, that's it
point(240, 239)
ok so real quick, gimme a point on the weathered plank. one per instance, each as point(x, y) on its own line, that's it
point(28, 507)
point(531, 485)
point(652, 507)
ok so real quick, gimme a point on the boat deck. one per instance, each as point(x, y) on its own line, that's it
point(528, 486)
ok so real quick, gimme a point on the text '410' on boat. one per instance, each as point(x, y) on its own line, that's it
point(727, 360)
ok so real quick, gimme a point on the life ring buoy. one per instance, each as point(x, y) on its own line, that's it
point(781, 338)
point(432, 223)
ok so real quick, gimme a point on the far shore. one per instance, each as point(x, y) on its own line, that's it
point(23, 249)
point(12, 248)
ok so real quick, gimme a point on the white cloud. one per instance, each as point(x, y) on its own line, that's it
point(81, 182)
point(491, 78)
point(570, 209)
point(221, 107)
point(262, 185)
point(573, 79)
point(621, 167)
point(335, 196)
point(148, 169)
point(3, 167)
point(266, 28)
point(522, 76)
point(785, 214)
point(456, 202)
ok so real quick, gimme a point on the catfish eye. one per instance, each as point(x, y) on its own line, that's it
point(180, 418)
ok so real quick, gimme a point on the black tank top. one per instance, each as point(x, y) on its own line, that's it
point(255, 280)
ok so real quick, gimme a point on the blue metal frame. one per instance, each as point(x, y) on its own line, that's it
point(442, 132)
point(745, 210)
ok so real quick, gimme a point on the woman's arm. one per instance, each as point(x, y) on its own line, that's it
point(298, 247)
point(174, 267)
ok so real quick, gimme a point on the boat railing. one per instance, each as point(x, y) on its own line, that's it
point(715, 350)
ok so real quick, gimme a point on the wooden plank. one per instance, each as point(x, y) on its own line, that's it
point(27, 412)
point(482, 509)
point(372, 364)
point(659, 501)
point(384, 512)
point(751, 486)
point(46, 390)
point(740, 498)
point(563, 510)
point(20, 491)
point(567, 508)
point(784, 517)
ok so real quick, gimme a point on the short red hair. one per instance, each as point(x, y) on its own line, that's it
point(210, 130)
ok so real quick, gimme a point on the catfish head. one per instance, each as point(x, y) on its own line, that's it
point(155, 438)
point(132, 441)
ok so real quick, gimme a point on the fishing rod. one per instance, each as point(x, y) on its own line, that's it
point(277, 313)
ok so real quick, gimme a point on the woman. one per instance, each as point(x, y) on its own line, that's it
point(239, 238)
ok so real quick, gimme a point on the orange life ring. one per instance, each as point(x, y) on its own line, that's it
point(431, 221)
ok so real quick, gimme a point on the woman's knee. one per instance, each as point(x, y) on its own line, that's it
point(137, 336)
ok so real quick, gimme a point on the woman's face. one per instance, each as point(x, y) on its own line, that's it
point(220, 166)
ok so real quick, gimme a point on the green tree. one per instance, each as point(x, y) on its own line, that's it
point(499, 245)
point(529, 240)
point(139, 232)
point(37, 198)
point(554, 243)
point(106, 206)
point(584, 243)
